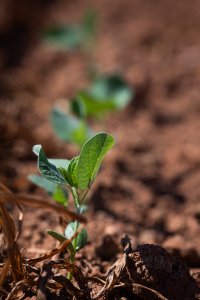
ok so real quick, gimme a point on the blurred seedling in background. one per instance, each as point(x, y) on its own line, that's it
point(75, 176)
point(74, 36)
point(70, 128)
point(106, 94)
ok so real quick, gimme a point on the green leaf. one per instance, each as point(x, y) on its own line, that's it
point(70, 230)
point(47, 169)
point(57, 192)
point(59, 162)
point(60, 195)
point(61, 238)
point(74, 35)
point(72, 169)
point(68, 128)
point(91, 156)
point(81, 238)
point(43, 183)
point(36, 149)
point(66, 36)
point(112, 87)
point(86, 105)
point(107, 93)
point(63, 124)
point(66, 175)
point(78, 106)
point(82, 133)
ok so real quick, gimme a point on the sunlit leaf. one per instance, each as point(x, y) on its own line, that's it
point(47, 169)
point(59, 162)
point(70, 230)
point(72, 169)
point(64, 172)
point(90, 158)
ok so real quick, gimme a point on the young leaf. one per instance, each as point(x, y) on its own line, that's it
point(107, 93)
point(68, 128)
point(61, 238)
point(57, 192)
point(74, 35)
point(91, 156)
point(36, 149)
point(72, 169)
point(60, 195)
point(47, 169)
point(66, 175)
point(86, 105)
point(82, 133)
point(81, 238)
point(63, 124)
point(70, 230)
point(42, 182)
point(67, 37)
point(78, 106)
point(59, 162)
point(114, 88)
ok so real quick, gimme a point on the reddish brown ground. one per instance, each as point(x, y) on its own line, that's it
point(149, 186)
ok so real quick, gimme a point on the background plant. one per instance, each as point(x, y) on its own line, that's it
point(105, 93)
point(75, 175)
point(74, 36)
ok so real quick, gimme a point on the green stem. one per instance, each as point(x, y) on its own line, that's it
point(72, 259)
point(76, 225)
point(78, 204)
point(76, 199)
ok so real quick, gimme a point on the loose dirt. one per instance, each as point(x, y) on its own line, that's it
point(149, 186)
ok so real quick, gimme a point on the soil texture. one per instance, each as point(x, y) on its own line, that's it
point(148, 189)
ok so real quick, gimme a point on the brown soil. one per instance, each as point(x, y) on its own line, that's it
point(149, 185)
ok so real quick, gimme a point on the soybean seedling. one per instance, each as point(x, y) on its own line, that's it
point(75, 175)
point(81, 35)
point(106, 94)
